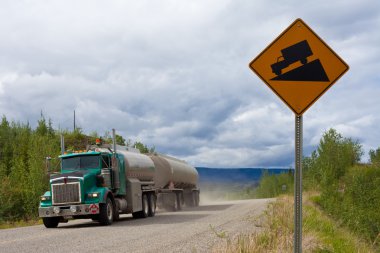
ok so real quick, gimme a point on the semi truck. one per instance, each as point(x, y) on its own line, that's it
point(297, 52)
point(105, 180)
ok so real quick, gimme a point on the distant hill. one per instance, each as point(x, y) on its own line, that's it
point(231, 183)
point(235, 175)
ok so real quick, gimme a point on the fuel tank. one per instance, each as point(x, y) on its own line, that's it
point(138, 165)
point(172, 172)
point(164, 170)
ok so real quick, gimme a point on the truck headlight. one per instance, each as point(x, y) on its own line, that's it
point(93, 195)
point(45, 198)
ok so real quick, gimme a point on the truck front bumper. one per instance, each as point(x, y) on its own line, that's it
point(70, 210)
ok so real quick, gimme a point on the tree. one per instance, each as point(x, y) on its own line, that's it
point(42, 128)
point(374, 157)
point(120, 140)
point(5, 148)
point(143, 148)
point(335, 155)
point(23, 152)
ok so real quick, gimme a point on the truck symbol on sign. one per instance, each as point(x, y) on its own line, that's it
point(297, 52)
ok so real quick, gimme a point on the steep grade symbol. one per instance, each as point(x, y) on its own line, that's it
point(312, 71)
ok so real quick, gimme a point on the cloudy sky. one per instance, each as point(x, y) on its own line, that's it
point(174, 74)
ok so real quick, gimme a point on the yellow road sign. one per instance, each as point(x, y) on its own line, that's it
point(299, 66)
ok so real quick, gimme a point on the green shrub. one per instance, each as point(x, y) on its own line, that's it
point(273, 185)
point(361, 201)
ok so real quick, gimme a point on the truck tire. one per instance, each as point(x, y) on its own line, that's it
point(51, 222)
point(174, 207)
point(145, 208)
point(196, 198)
point(177, 205)
point(189, 199)
point(106, 212)
point(152, 204)
point(116, 214)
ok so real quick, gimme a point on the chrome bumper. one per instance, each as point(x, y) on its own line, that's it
point(71, 210)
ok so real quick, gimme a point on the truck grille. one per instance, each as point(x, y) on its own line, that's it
point(66, 193)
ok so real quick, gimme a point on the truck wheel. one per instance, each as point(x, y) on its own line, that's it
point(116, 214)
point(189, 199)
point(145, 208)
point(106, 212)
point(178, 201)
point(152, 204)
point(51, 222)
point(196, 198)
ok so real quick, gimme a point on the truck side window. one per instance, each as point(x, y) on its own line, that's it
point(105, 162)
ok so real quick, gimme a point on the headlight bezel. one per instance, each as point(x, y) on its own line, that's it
point(45, 198)
point(93, 195)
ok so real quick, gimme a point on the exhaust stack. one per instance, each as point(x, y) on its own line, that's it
point(62, 144)
point(115, 164)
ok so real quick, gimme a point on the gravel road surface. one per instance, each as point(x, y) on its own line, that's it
point(186, 231)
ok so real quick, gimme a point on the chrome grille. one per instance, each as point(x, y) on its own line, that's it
point(66, 193)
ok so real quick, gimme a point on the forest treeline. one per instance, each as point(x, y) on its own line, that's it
point(23, 168)
point(345, 188)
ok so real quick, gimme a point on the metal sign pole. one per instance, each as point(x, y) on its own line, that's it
point(298, 186)
point(297, 43)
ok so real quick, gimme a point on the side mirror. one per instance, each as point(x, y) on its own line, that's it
point(48, 164)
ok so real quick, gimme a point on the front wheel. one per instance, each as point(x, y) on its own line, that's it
point(106, 212)
point(51, 222)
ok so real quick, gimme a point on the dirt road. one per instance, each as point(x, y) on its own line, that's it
point(190, 230)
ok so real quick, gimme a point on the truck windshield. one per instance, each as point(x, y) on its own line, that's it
point(80, 162)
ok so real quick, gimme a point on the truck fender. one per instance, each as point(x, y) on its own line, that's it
point(107, 194)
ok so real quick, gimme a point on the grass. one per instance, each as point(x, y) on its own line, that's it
point(275, 234)
point(22, 223)
point(334, 237)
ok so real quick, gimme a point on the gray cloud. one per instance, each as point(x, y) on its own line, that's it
point(175, 74)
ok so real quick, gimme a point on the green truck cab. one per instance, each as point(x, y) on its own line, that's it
point(83, 189)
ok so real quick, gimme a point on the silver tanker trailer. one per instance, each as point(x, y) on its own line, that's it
point(176, 182)
point(108, 180)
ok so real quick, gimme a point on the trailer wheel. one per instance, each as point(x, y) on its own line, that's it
point(196, 198)
point(51, 222)
point(178, 205)
point(106, 212)
point(152, 204)
point(189, 199)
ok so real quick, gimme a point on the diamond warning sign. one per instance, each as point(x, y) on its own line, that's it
point(299, 66)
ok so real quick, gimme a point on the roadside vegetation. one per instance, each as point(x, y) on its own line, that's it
point(321, 233)
point(342, 215)
point(24, 173)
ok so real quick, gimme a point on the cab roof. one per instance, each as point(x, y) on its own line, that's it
point(86, 153)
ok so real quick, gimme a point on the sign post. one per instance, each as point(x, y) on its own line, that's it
point(299, 67)
point(298, 185)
